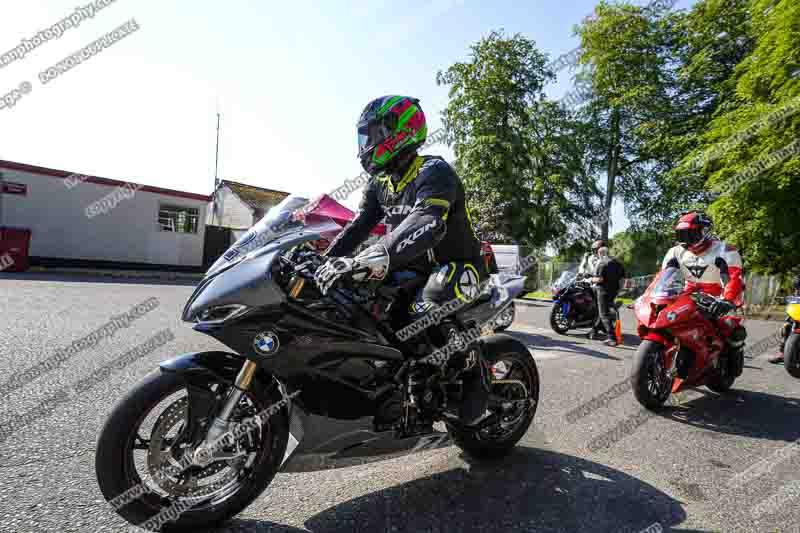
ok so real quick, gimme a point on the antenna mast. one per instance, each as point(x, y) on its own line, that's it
point(216, 160)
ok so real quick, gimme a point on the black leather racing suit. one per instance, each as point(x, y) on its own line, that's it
point(428, 228)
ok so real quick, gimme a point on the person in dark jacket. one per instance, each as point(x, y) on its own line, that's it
point(608, 276)
point(422, 202)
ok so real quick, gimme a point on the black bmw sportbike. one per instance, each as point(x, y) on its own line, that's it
point(310, 382)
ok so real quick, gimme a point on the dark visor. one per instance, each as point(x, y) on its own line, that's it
point(689, 235)
point(369, 134)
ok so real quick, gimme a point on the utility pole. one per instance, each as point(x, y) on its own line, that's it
point(216, 178)
point(216, 160)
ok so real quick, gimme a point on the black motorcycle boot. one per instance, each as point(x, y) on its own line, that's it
point(685, 362)
point(476, 384)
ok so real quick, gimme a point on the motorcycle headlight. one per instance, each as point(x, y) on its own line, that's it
point(222, 313)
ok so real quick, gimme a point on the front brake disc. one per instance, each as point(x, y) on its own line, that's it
point(166, 450)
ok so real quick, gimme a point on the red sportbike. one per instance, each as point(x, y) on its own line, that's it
point(683, 343)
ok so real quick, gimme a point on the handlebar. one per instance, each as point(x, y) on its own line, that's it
point(703, 301)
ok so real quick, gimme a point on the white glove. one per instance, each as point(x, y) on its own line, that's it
point(333, 270)
point(372, 263)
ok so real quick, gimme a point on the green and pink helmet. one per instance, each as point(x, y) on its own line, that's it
point(389, 127)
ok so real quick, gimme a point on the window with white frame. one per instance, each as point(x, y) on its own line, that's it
point(177, 219)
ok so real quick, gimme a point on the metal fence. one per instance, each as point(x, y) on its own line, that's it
point(635, 287)
point(546, 273)
point(759, 291)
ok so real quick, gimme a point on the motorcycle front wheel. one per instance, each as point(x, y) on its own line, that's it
point(558, 320)
point(143, 441)
point(649, 379)
point(722, 381)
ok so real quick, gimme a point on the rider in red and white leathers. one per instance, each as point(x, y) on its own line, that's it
point(708, 264)
point(711, 266)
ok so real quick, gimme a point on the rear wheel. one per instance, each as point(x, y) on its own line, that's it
point(558, 320)
point(649, 377)
point(142, 443)
point(514, 398)
point(723, 380)
point(791, 355)
point(721, 383)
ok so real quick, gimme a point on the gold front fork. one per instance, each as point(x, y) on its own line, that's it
point(245, 376)
point(297, 285)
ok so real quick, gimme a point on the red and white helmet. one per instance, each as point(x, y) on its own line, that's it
point(694, 230)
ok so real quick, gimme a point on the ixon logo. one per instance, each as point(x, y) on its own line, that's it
point(411, 239)
point(399, 210)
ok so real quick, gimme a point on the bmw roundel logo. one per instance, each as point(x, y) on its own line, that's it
point(266, 343)
point(672, 315)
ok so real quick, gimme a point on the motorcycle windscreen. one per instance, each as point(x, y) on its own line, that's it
point(286, 217)
point(565, 279)
point(667, 285)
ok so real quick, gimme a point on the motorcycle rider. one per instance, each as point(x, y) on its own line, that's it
point(608, 274)
point(421, 200)
point(708, 264)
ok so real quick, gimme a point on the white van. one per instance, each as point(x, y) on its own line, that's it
point(507, 257)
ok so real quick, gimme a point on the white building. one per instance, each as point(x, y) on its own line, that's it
point(132, 225)
point(239, 206)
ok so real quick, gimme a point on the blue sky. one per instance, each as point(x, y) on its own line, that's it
point(289, 78)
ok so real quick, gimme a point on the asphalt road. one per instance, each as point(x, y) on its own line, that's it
point(676, 469)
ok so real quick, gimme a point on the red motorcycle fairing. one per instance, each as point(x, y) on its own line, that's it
point(673, 320)
point(703, 340)
point(655, 337)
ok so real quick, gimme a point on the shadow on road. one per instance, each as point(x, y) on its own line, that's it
point(531, 490)
point(531, 340)
point(743, 413)
point(64, 278)
point(629, 341)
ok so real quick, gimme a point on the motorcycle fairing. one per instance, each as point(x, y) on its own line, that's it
point(793, 308)
point(344, 372)
point(574, 299)
point(667, 307)
point(247, 282)
point(696, 337)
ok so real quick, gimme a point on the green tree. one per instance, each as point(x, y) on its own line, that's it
point(712, 39)
point(519, 154)
point(632, 81)
point(756, 156)
point(701, 109)
point(641, 251)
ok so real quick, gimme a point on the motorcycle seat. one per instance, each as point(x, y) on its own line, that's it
point(403, 282)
